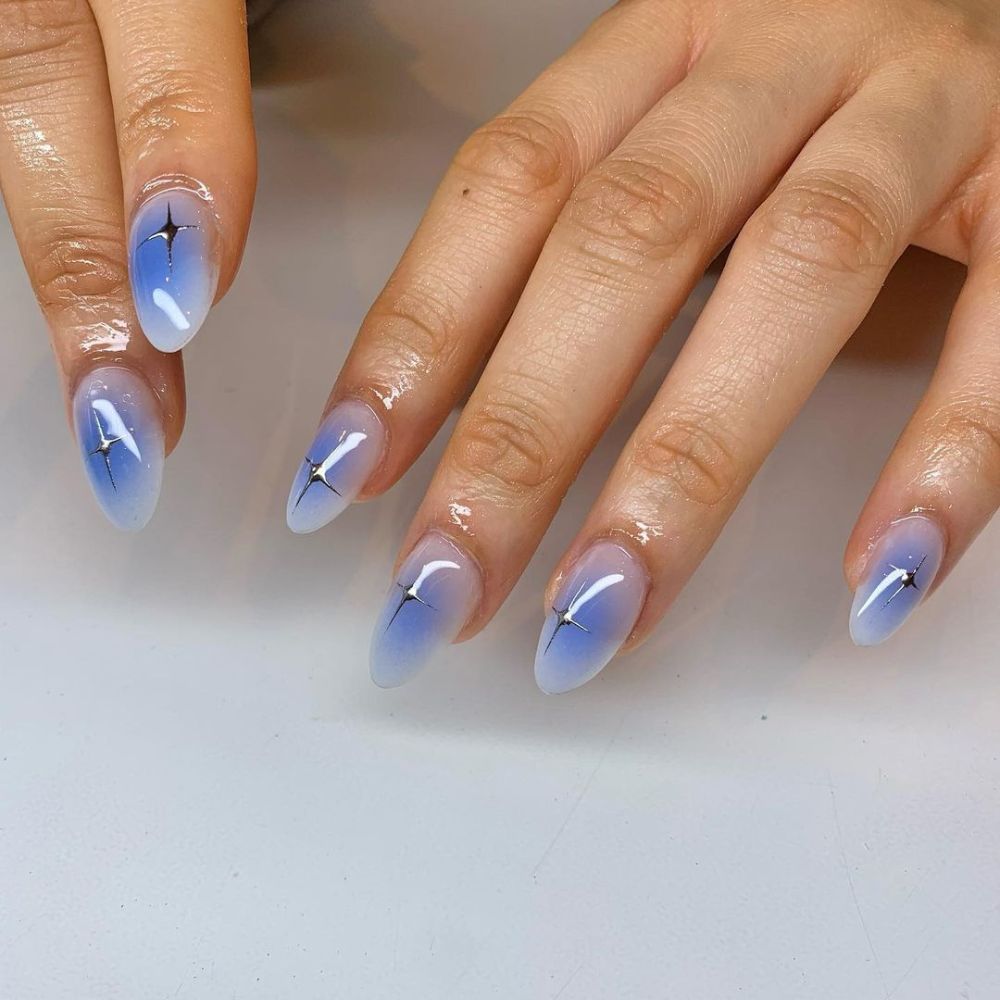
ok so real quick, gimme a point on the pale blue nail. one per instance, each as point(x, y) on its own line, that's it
point(173, 266)
point(900, 571)
point(120, 434)
point(593, 614)
point(430, 601)
point(340, 460)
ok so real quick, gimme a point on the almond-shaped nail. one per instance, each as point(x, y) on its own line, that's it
point(430, 601)
point(595, 610)
point(340, 460)
point(120, 433)
point(900, 571)
point(173, 265)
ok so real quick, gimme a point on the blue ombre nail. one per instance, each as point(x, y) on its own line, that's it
point(594, 612)
point(432, 598)
point(342, 457)
point(900, 571)
point(173, 265)
point(118, 427)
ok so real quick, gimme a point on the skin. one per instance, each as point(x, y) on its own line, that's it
point(824, 138)
point(90, 122)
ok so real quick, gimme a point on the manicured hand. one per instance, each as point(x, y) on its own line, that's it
point(128, 168)
point(825, 137)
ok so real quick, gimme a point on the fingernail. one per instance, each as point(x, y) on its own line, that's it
point(342, 457)
point(173, 266)
point(430, 601)
point(120, 433)
point(899, 573)
point(594, 612)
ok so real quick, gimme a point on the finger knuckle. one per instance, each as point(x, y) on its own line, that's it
point(966, 435)
point(692, 457)
point(77, 265)
point(828, 225)
point(158, 102)
point(629, 210)
point(508, 440)
point(518, 154)
point(416, 330)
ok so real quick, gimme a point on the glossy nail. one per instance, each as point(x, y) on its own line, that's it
point(118, 427)
point(339, 462)
point(432, 598)
point(900, 571)
point(173, 265)
point(594, 612)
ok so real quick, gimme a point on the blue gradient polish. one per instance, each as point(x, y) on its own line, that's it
point(173, 266)
point(594, 612)
point(118, 427)
point(432, 598)
point(899, 573)
point(340, 460)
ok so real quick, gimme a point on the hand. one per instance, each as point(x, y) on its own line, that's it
point(126, 151)
point(825, 137)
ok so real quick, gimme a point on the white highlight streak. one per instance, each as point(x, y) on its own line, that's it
point(593, 590)
point(115, 426)
point(352, 441)
point(170, 308)
point(893, 577)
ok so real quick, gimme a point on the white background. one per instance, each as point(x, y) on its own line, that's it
point(203, 797)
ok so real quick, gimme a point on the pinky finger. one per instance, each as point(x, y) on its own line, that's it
point(941, 484)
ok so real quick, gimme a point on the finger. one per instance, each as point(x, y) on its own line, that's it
point(634, 237)
point(801, 276)
point(185, 139)
point(941, 484)
point(442, 310)
point(63, 193)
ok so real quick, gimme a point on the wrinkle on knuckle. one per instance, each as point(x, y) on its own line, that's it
point(509, 441)
point(966, 438)
point(829, 225)
point(518, 154)
point(78, 266)
point(632, 211)
point(158, 103)
point(416, 329)
point(690, 456)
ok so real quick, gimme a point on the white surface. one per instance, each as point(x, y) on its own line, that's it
point(201, 794)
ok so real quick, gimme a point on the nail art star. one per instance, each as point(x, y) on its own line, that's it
point(168, 233)
point(565, 617)
point(317, 474)
point(410, 593)
point(908, 578)
point(104, 448)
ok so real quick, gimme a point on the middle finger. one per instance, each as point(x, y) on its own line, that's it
point(634, 237)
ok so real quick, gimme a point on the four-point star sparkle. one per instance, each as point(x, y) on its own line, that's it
point(908, 579)
point(168, 233)
point(104, 446)
point(565, 617)
point(317, 474)
point(410, 593)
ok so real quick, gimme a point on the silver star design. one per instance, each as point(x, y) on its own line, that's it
point(410, 593)
point(104, 448)
point(565, 617)
point(908, 579)
point(168, 233)
point(317, 474)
